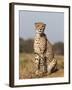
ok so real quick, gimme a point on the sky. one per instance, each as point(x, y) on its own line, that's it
point(54, 24)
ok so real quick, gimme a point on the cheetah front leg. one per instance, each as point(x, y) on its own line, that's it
point(40, 63)
point(43, 65)
point(37, 64)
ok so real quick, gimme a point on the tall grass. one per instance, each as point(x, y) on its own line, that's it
point(27, 66)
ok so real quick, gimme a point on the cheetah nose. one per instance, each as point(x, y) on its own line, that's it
point(40, 30)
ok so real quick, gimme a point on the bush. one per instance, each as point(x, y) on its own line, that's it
point(58, 48)
point(26, 45)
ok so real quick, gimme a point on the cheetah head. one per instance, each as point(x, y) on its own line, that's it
point(40, 27)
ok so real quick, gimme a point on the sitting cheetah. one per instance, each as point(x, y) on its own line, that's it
point(44, 57)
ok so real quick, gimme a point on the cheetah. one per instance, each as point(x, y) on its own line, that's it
point(44, 56)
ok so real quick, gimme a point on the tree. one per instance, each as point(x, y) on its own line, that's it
point(58, 48)
point(26, 45)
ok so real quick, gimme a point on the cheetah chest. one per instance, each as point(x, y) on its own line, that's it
point(40, 44)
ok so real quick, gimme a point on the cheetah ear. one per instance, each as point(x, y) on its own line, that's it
point(45, 25)
point(36, 24)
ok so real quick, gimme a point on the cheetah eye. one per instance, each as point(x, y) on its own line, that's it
point(42, 26)
point(37, 25)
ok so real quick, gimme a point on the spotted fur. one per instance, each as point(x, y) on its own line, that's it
point(44, 56)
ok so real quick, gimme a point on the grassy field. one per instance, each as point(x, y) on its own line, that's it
point(27, 67)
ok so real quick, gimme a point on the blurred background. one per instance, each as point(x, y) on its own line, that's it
point(54, 29)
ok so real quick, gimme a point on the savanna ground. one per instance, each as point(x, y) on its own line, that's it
point(27, 67)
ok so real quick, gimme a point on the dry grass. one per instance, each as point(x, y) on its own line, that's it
point(27, 67)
